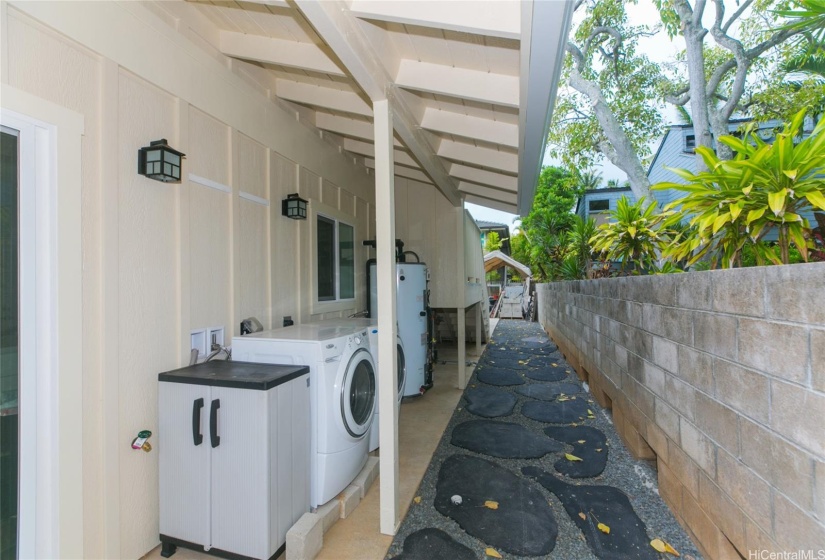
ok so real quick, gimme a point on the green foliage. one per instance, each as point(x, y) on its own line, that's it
point(579, 244)
point(492, 242)
point(737, 202)
point(634, 236)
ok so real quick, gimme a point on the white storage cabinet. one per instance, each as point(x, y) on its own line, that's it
point(234, 452)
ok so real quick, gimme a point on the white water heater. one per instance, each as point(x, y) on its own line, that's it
point(411, 314)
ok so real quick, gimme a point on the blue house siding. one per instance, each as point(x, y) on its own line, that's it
point(612, 197)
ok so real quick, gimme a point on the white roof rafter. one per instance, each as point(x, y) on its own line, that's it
point(294, 54)
point(341, 30)
point(475, 85)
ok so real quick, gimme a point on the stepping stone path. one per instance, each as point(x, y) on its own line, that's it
point(500, 377)
point(498, 497)
point(502, 439)
point(601, 504)
point(522, 522)
point(547, 374)
point(489, 402)
point(427, 544)
point(566, 412)
point(589, 445)
point(547, 392)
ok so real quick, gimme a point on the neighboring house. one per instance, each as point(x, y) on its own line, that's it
point(265, 99)
point(503, 231)
point(598, 203)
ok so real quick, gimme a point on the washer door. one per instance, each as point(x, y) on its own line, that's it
point(358, 394)
point(402, 370)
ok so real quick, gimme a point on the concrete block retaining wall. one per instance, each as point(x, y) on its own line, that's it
point(720, 377)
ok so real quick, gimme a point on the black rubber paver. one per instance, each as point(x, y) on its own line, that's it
point(627, 538)
point(589, 445)
point(429, 544)
point(548, 392)
point(566, 412)
point(489, 402)
point(500, 377)
point(547, 374)
point(622, 479)
point(523, 522)
point(502, 439)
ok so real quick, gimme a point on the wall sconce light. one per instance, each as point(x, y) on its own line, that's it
point(295, 207)
point(160, 162)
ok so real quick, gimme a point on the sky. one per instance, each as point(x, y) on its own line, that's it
point(658, 48)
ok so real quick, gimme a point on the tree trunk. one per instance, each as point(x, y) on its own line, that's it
point(694, 43)
point(618, 148)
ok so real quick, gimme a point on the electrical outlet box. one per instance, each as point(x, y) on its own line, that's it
point(215, 337)
point(198, 342)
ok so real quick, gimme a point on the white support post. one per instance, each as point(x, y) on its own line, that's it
point(387, 329)
point(461, 310)
point(479, 321)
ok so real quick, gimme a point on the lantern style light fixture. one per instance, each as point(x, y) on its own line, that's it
point(295, 207)
point(160, 162)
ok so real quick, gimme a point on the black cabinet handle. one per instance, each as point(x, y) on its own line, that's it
point(213, 423)
point(197, 436)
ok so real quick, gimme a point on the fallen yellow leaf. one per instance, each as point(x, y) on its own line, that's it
point(603, 528)
point(582, 515)
point(580, 441)
point(599, 450)
point(555, 365)
point(590, 412)
point(662, 546)
point(492, 552)
point(571, 457)
point(491, 504)
point(417, 499)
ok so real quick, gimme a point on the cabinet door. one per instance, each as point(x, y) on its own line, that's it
point(240, 473)
point(183, 462)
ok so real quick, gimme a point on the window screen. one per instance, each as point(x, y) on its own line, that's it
point(599, 205)
point(346, 260)
point(326, 259)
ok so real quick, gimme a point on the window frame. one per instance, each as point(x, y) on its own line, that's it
point(338, 218)
point(591, 210)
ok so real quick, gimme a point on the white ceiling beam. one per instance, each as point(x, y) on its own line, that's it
point(328, 98)
point(458, 124)
point(343, 33)
point(487, 192)
point(545, 27)
point(401, 171)
point(490, 203)
point(351, 128)
point(365, 149)
point(498, 181)
point(294, 54)
point(475, 85)
point(494, 19)
point(486, 157)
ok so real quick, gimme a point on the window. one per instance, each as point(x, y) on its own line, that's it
point(335, 246)
point(602, 205)
point(690, 143)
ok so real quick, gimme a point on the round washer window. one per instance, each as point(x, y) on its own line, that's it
point(358, 394)
point(402, 369)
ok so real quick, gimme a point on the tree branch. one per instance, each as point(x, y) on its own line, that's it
point(737, 14)
point(577, 55)
point(680, 97)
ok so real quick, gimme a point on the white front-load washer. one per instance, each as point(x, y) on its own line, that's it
point(342, 394)
point(401, 377)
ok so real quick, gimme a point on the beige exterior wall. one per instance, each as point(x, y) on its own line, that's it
point(719, 377)
point(159, 260)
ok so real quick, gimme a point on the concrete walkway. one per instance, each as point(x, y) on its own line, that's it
point(468, 529)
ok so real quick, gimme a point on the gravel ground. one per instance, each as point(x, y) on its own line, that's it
point(636, 478)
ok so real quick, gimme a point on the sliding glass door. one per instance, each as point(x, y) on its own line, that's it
point(9, 327)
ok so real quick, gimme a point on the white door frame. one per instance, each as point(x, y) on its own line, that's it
point(38, 387)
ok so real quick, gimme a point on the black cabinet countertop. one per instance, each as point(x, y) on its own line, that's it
point(240, 375)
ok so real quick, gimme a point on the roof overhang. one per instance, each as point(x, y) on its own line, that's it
point(471, 85)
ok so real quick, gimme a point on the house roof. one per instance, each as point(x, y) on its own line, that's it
point(490, 225)
point(470, 84)
point(496, 259)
